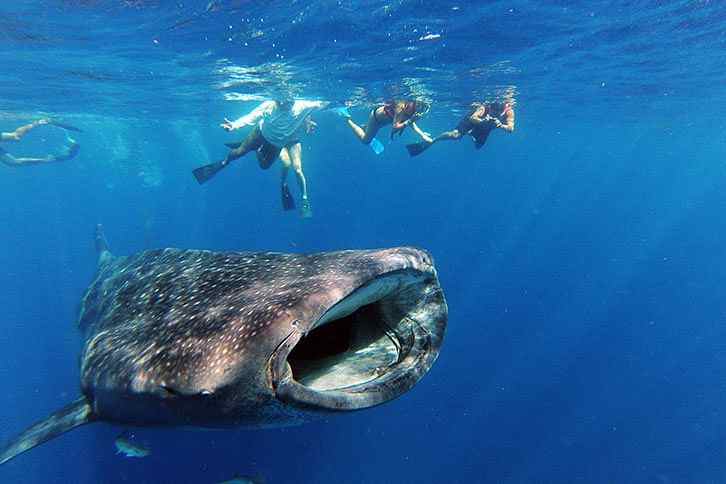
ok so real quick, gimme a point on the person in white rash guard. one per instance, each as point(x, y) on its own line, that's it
point(279, 126)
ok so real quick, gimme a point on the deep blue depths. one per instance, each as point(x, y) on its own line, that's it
point(582, 256)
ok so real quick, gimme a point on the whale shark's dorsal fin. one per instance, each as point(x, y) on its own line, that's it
point(65, 419)
point(102, 245)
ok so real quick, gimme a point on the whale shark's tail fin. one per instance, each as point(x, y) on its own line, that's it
point(65, 419)
point(101, 245)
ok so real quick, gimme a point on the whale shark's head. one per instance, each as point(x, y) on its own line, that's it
point(219, 339)
point(379, 332)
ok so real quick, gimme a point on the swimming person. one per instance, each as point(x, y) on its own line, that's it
point(71, 150)
point(398, 113)
point(291, 155)
point(481, 120)
point(278, 126)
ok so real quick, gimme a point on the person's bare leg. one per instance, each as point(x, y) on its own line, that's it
point(70, 152)
point(285, 159)
point(416, 149)
point(454, 135)
point(10, 160)
point(296, 159)
point(18, 134)
point(365, 135)
point(288, 203)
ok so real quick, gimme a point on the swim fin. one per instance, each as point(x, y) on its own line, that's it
point(233, 146)
point(288, 203)
point(205, 173)
point(65, 126)
point(376, 146)
point(416, 149)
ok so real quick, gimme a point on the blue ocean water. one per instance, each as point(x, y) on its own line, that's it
point(582, 256)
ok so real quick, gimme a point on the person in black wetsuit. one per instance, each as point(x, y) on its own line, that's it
point(481, 120)
point(70, 151)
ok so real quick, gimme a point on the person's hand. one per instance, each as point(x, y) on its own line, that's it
point(310, 126)
point(427, 137)
point(227, 125)
point(43, 121)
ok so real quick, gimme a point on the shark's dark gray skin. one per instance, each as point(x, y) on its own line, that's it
point(225, 339)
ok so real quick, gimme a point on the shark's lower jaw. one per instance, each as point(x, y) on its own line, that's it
point(369, 348)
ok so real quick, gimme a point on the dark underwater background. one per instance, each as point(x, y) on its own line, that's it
point(582, 256)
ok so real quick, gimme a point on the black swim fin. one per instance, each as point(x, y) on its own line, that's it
point(74, 415)
point(288, 203)
point(205, 173)
point(233, 146)
point(416, 149)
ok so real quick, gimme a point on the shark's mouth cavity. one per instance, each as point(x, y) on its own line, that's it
point(371, 346)
point(348, 351)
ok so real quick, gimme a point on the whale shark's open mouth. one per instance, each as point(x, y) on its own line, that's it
point(370, 347)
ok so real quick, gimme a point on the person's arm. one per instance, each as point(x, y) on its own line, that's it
point(303, 105)
point(249, 119)
point(22, 131)
point(476, 120)
point(320, 104)
point(424, 135)
point(508, 126)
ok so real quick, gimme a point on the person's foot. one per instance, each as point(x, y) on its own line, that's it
point(305, 210)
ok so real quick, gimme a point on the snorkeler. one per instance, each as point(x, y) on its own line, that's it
point(397, 113)
point(291, 155)
point(70, 151)
point(278, 125)
point(481, 120)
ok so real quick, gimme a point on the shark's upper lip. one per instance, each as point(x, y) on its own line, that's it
point(368, 348)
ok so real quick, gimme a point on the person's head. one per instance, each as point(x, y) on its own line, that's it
point(407, 111)
point(479, 108)
point(498, 108)
point(422, 108)
point(284, 102)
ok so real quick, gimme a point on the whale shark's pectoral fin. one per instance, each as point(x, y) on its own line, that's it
point(65, 419)
point(102, 245)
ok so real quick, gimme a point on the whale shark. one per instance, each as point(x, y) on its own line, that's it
point(196, 338)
